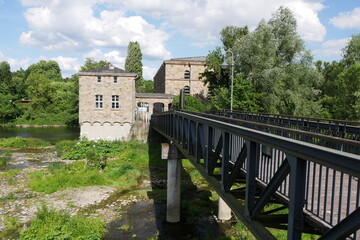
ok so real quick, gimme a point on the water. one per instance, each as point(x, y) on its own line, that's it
point(50, 134)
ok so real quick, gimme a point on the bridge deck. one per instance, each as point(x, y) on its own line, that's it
point(317, 184)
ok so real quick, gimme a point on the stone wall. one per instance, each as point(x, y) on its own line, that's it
point(106, 123)
point(170, 77)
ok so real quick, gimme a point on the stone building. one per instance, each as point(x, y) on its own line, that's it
point(177, 73)
point(106, 103)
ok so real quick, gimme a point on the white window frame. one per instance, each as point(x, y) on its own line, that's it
point(98, 101)
point(115, 104)
point(187, 74)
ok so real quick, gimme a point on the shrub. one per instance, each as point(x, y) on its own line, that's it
point(52, 224)
point(17, 142)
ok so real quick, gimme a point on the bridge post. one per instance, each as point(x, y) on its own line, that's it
point(173, 185)
point(224, 211)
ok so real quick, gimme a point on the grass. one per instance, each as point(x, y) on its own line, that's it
point(126, 166)
point(126, 227)
point(17, 142)
point(52, 224)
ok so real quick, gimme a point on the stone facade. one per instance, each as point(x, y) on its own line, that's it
point(108, 117)
point(171, 76)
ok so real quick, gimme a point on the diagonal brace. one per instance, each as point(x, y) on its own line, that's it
point(236, 169)
point(273, 185)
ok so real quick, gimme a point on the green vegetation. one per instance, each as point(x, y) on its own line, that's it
point(126, 227)
point(128, 159)
point(17, 142)
point(133, 64)
point(52, 224)
point(274, 72)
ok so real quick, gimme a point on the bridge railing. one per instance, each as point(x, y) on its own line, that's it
point(341, 137)
point(331, 127)
point(320, 186)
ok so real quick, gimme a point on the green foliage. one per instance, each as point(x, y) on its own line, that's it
point(3, 160)
point(52, 224)
point(351, 53)
point(192, 103)
point(133, 64)
point(17, 142)
point(90, 64)
point(123, 170)
point(148, 86)
point(48, 69)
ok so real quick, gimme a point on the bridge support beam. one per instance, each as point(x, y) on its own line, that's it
point(224, 212)
point(173, 185)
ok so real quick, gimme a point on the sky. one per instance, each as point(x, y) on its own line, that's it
point(69, 31)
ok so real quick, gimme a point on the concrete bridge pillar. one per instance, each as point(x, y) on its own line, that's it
point(224, 212)
point(173, 185)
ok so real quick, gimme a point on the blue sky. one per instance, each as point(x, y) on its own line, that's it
point(69, 31)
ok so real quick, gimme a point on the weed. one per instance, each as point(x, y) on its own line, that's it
point(9, 174)
point(126, 228)
point(3, 160)
point(52, 224)
point(17, 142)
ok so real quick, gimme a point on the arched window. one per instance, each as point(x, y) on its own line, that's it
point(186, 90)
point(187, 74)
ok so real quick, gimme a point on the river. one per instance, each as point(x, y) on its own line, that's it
point(50, 134)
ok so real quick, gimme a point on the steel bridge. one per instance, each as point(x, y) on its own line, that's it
point(307, 169)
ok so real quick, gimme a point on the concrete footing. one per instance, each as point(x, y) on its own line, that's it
point(173, 185)
point(224, 212)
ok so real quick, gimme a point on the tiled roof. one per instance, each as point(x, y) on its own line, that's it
point(107, 69)
point(199, 58)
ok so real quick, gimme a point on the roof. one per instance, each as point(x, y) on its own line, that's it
point(108, 70)
point(154, 95)
point(192, 59)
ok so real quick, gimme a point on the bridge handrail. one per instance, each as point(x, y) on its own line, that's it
point(184, 128)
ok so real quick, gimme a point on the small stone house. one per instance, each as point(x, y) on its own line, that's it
point(177, 73)
point(106, 103)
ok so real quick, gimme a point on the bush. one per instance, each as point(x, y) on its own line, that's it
point(52, 224)
point(17, 142)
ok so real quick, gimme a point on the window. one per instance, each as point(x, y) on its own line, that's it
point(98, 79)
point(98, 101)
point(187, 74)
point(114, 101)
point(115, 79)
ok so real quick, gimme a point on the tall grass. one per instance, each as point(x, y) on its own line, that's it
point(52, 224)
point(17, 142)
point(127, 164)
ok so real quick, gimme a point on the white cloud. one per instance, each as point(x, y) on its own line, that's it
point(67, 63)
point(203, 19)
point(16, 64)
point(331, 48)
point(347, 20)
point(115, 57)
point(67, 25)
point(149, 72)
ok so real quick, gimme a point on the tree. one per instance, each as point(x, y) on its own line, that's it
point(49, 69)
point(351, 53)
point(148, 86)
point(133, 64)
point(90, 64)
point(5, 77)
point(231, 34)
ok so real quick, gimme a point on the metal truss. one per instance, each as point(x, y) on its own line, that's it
point(317, 188)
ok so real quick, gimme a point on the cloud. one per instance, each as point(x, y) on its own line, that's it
point(16, 64)
point(347, 20)
point(67, 63)
point(67, 25)
point(115, 57)
point(149, 72)
point(331, 48)
point(202, 20)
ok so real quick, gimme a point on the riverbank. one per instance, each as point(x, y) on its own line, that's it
point(132, 184)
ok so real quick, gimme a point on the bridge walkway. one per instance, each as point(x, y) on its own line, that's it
point(315, 187)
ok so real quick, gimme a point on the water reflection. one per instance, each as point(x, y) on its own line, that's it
point(51, 134)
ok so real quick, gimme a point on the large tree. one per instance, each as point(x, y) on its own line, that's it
point(90, 64)
point(133, 63)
